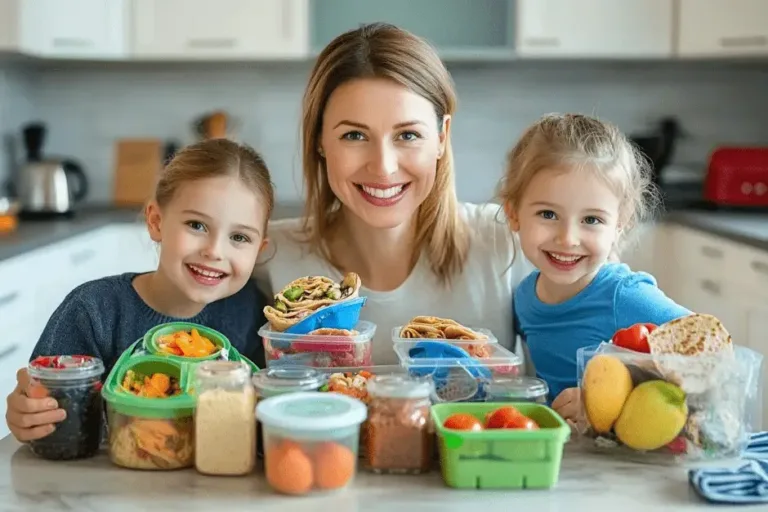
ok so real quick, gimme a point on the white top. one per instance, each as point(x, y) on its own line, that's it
point(480, 297)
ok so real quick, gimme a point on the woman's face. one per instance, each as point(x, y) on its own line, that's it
point(381, 143)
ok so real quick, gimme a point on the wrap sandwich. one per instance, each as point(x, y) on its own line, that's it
point(307, 295)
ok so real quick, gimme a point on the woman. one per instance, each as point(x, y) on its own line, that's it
point(381, 198)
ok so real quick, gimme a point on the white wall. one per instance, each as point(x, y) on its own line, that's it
point(88, 106)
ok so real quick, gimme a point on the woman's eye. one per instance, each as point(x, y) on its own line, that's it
point(354, 135)
point(592, 221)
point(241, 239)
point(196, 225)
point(410, 136)
point(547, 214)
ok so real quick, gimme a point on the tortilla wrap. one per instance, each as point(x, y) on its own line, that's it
point(306, 295)
point(432, 320)
point(432, 327)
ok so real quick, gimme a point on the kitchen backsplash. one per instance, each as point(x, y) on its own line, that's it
point(88, 106)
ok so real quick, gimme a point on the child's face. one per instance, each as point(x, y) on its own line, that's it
point(568, 222)
point(210, 235)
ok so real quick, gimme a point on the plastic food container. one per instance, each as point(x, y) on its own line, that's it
point(282, 380)
point(517, 389)
point(461, 370)
point(192, 343)
point(310, 441)
point(319, 350)
point(75, 383)
point(489, 336)
point(225, 428)
point(501, 458)
point(399, 433)
point(669, 408)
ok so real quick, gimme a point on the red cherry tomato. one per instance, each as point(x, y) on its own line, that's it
point(461, 421)
point(501, 416)
point(634, 337)
point(522, 422)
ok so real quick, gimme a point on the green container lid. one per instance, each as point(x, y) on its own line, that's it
point(152, 337)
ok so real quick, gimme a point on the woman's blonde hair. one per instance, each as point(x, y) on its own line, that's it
point(213, 158)
point(576, 141)
point(384, 51)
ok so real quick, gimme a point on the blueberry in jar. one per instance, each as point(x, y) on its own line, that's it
point(75, 383)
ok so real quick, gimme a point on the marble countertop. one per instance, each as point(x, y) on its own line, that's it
point(587, 482)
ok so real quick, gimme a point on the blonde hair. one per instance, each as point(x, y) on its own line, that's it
point(384, 51)
point(213, 158)
point(577, 141)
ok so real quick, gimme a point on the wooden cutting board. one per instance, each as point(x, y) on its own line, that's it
point(138, 163)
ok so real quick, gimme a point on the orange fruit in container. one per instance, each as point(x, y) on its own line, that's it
point(288, 468)
point(334, 465)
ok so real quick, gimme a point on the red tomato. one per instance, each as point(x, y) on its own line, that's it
point(634, 337)
point(678, 445)
point(501, 416)
point(522, 422)
point(461, 421)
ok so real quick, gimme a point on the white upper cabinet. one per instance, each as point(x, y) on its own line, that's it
point(222, 29)
point(711, 28)
point(9, 25)
point(94, 29)
point(595, 28)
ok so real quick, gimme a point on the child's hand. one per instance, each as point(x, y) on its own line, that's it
point(568, 405)
point(30, 418)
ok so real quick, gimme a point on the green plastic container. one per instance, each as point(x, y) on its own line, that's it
point(152, 337)
point(501, 458)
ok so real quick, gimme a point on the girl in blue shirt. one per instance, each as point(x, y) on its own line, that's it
point(573, 190)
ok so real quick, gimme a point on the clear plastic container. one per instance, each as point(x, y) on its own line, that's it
point(399, 433)
point(310, 441)
point(317, 349)
point(281, 380)
point(517, 389)
point(487, 335)
point(75, 383)
point(225, 428)
point(461, 370)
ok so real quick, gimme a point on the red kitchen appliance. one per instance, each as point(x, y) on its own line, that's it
point(737, 176)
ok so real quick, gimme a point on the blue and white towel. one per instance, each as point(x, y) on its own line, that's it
point(746, 484)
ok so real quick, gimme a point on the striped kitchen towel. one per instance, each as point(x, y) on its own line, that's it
point(745, 484)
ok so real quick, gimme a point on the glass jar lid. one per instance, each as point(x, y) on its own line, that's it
point(399, 386)
point(287, 379)
point(523, 388)
point(223, 371)
point(74, 367)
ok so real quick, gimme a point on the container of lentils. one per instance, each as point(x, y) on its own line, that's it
point(280, 380)
point(517, 389)
point(225, 426)
point(75, 383)
point(399, 432)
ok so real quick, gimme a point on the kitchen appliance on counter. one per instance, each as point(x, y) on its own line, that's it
point(659, 145)
point(47, 187)
point(737, 177)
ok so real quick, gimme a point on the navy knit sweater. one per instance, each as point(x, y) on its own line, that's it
point(104, 317)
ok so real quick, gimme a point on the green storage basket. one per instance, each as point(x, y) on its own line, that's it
point(501, 458)
point(153, 335)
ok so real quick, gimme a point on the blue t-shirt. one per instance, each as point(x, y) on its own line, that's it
point(616, 298)
point(104, 317)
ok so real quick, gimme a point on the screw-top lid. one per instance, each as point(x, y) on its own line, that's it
point(523, 388)
point(287, 379)
point(399, 386)
point(65, 367)
point(223, 370)
point(311, 412)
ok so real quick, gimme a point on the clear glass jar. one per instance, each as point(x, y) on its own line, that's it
point(225, 421)
point(517, 389)
point(399, 431)
point(280, 380)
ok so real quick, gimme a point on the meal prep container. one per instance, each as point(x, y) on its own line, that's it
point(461, 370)
point(75, 383)
point(320, 351)
point(480, 330)
point(310, 441)
point(153, 337)
point(501, 458)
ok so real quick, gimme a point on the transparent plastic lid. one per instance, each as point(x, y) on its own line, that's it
point(311, 412)
point(287, 379)
point(442, 354)
point(363, 332)
point(524, 388)
point(399, 386)
point(65, 367)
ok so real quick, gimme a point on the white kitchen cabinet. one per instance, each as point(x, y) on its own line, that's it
point(9, 25)
point(595, 28)
point(226, 29)
point(92, 29)
point(726, 28)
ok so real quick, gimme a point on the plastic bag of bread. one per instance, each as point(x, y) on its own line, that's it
point(677, 392)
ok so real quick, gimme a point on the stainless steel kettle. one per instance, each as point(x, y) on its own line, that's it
point(48, 186)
